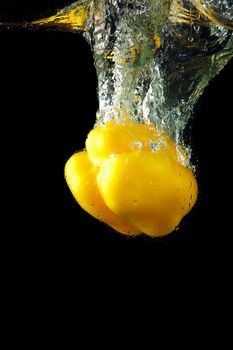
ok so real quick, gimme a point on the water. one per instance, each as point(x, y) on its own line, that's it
point(153, 57)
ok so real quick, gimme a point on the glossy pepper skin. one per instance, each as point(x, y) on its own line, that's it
point(125, 182)
point(81, 176)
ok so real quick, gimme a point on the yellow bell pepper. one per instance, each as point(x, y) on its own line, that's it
point(131, 178)
point(151, 191)
point(80, 175)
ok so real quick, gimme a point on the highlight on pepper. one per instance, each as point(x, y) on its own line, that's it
point(132, 178)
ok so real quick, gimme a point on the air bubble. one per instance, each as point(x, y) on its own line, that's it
point(154, 145)
point(136, 146)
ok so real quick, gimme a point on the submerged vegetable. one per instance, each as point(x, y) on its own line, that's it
point(81, 178)
point(131, 178)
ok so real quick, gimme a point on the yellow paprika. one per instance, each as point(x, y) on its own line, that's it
point(130, 177)
point(80, 175)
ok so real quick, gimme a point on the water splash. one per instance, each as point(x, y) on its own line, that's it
point(153, 57)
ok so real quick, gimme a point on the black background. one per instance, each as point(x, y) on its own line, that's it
point(48, 105)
